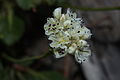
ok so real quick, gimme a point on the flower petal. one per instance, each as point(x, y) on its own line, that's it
point(59, 55)
point(82, 56)
point(57, 13)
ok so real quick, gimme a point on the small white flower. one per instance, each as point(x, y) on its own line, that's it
point(59, 40)
point(60, 53)
point(68, 35)
point(82, 56)
point(86, 33)
point(51, 20)
point(82, 43)
point(72, 48)
point(54, 44)
point(67, 23)
point(62, 18)
point(57, 13)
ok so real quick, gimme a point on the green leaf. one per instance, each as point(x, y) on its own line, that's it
point(28, 4)
point(11, 33)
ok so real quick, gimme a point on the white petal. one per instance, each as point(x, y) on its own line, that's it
point(79, 19)
point(74, 15)
point(48, 32)
point(87, 34)
point(63, 47)
point(57, 13)
point(54, 45)
point(68, 11)
point(52, 37)
point(62, 17)
point(82, 43)
point(58, 55)
point(67, 33)
point(51, 20)
point(46, 26)
point(67, 22)
point(72, 48)
point(81, 56)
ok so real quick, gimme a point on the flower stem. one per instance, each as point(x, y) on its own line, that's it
point(89, 9)
point(25, 58)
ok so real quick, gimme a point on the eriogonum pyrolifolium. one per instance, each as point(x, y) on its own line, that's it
point(68, 35)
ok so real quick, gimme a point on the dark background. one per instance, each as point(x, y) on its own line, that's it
point(24, 48)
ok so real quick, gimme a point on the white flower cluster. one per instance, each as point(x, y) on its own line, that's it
point(68, 35)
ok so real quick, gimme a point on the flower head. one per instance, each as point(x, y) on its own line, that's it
point(68, 35)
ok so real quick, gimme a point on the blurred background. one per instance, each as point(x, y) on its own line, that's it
point(24, 48)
